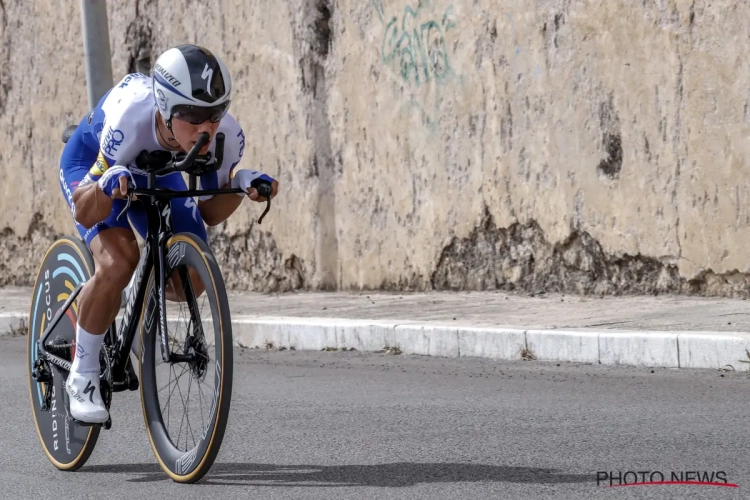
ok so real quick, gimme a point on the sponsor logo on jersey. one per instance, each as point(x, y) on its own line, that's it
point(167, 75)
point(100, 166)
point(112, 140)
point(125, 82)
point(128, 78)
point(68, 192)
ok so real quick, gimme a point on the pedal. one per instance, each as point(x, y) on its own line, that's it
point(41, 374)
point(107, 425)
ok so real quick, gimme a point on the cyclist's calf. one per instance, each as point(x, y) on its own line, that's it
point(175, 291)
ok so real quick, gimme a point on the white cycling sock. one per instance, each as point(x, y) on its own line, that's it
point(87, 351)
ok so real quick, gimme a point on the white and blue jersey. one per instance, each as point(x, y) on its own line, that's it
point(121, 126)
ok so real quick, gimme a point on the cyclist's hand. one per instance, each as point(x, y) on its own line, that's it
point(253, 193)
point(245, 179)
point(121, 191)
point(114, 182)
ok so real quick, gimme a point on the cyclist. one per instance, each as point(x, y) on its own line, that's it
point(188, 93)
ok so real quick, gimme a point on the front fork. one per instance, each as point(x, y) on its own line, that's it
point(194, 335)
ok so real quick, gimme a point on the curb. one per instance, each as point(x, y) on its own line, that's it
point(10, 322)
point(689, 349)
point(677, 349)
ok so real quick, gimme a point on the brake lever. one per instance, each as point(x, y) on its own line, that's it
point(268, 207)
point(265, 190)
point(131, 187)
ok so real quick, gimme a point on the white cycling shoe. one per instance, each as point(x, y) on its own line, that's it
point(85, 398)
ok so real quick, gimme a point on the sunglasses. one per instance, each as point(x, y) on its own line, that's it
point(197, 115)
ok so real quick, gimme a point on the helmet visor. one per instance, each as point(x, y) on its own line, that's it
point(198, 114)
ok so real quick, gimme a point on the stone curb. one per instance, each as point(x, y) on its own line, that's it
point(631, 348)
point(10, 322)
point(676, 349)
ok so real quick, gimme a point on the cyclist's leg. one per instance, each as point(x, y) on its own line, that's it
point(115, 251)
point(185, 218)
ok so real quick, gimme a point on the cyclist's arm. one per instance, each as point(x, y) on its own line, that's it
point(116, 147)
point(219, 208)
point(91, 203)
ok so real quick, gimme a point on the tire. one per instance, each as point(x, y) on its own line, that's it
point(67, 263)
point(192, 463)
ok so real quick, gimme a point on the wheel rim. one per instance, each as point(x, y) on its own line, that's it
point(184, 463)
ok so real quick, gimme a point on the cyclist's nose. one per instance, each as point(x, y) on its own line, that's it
point(204, 127)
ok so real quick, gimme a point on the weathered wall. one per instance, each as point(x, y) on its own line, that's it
point(551, 145)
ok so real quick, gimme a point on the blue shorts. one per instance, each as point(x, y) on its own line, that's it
point(77, 159)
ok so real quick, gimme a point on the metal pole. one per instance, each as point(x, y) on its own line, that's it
point(96, 49)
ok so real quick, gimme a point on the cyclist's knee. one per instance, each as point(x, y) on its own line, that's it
point(116, 254)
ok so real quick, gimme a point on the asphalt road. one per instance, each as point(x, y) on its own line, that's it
point(333, 425)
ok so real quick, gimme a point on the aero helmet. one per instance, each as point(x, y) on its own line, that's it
point(192, 84)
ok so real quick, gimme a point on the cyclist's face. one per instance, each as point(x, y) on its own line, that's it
point(187, 134)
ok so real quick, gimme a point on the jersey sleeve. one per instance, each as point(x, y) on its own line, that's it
point(116, 147)
point(234, 148)
point(118, 140)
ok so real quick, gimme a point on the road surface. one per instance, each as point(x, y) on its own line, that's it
point(348, 425)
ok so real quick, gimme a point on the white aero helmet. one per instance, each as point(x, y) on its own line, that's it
point(192, 84)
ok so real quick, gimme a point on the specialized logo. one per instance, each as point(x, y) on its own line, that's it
point(206, 75)
point(167, 217)
point(167, 75)
point(112, 140)
point(90, 391)
point(190, 203)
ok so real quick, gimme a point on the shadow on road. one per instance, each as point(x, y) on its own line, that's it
point(386, 475)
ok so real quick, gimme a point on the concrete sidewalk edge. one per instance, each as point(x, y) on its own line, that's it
point(675, 349)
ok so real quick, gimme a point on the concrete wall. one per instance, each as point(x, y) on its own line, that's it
point(582, 146)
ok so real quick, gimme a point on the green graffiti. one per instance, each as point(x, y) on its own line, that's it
point(418, 50)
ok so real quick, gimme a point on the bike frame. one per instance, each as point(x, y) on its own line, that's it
point(159, 217)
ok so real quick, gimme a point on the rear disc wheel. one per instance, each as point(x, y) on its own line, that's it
point(67, 444)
